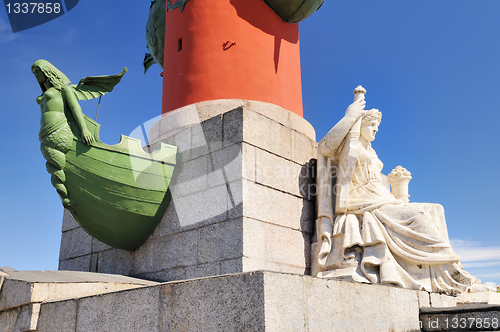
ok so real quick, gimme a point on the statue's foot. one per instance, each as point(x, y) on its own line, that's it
point(68, 202)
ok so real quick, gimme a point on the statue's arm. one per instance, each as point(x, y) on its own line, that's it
point(70, 98)
point(329, 144)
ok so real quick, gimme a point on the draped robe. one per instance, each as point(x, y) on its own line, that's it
point(382, 239)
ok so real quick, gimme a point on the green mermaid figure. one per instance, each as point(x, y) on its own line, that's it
point(59, 107)
point(116, 193)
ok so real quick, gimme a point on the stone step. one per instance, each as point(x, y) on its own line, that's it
point(467, 317)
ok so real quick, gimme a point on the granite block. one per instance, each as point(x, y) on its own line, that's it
point(230, 266)
point(14, 293)
point(253, 301)
point(8, 319)
point(254, 264)
point(232, 127)
point(192, 114)
point(303, 148)
point(225, 165)
point(284, 302)
point(273, 206)
point(212, 130)
point(203, 207)
point(99, 246)
point(334, 305)
point(277, 248)
point(284, 268)
point(220, 241)
point(199, 146)
point(131, 310)
point(173, 274)
point(302, 126)
point(81, 263)
point(203, 270)
point(276, 172)
point(176, 250)
point(211, 108)
point(271, 111)
point(169, 223)
point(191, 178)
point(16, 319)
point(75, 243)
point(235, 200)
point(93, 262)
point(182, 140)
point(254, 242)
point(266, 134)
point(57, 316)
point(227, 303)
point(248, 164)
point(287, 246)
point(115, 261)
point(68, 221)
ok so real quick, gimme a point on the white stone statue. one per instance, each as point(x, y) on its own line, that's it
point(366, 233)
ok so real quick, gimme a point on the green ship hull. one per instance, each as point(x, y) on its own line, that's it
point(121, 191)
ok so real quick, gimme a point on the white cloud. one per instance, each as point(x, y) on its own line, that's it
point(471, 251)
point(6, 34)
point(464, 243)
point(495, 275)
point(481, 264)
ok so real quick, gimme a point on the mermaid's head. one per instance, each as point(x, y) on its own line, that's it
point(45, 71)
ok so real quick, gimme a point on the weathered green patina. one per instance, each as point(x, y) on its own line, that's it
point(117, 193)
point(155, 34)
point(177, 4)
point(293, 11)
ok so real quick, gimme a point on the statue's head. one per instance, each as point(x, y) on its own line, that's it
point(370, 115)
point(369, 124)
point(44, 72)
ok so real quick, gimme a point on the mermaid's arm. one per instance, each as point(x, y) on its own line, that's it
point(70, 98)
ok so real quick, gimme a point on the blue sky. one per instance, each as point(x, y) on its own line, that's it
point(431, 67)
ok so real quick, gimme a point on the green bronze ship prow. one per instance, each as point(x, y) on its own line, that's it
point(117, 193)
point(121, 191)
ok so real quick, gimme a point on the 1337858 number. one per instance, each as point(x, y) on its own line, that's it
point(470, 322)
point(33, 7)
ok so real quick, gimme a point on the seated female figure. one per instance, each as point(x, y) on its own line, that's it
point(379, 238)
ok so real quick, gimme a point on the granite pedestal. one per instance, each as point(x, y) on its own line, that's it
point(242, 198)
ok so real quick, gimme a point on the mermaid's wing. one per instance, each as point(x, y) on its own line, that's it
point(95, 86)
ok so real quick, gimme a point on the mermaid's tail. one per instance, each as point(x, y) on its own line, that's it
point(54, 148)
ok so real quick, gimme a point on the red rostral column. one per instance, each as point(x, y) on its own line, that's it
point(230, 49)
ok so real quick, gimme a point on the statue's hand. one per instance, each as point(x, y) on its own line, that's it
point(355, 110)
point(87, 137)
point(399, 179)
